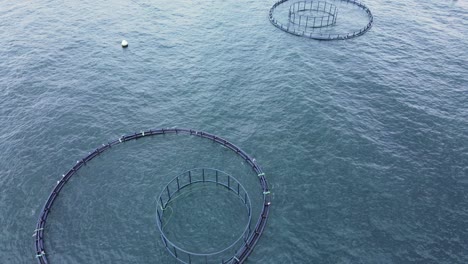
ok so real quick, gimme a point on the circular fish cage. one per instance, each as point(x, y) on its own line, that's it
point(187, 183)
point(319, 19)
point(243, 246)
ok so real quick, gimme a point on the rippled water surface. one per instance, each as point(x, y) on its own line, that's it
point(364, 141)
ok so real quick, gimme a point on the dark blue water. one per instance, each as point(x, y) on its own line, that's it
point(364, 141)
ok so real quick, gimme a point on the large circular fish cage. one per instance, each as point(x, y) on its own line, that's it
point(239, 250)
point(322, 20)
point(192, 179)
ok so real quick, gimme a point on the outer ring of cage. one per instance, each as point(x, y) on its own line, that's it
point(176, 185)
point(322, 36)
point(252, 240)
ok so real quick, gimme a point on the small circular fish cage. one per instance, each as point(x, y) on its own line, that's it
point(319, 19)
point(201, 180)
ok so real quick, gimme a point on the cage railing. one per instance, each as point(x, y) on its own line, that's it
point(205, 176)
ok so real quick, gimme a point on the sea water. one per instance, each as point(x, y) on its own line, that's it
point(364, 141)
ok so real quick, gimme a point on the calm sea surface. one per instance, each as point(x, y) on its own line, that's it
point(364, 141)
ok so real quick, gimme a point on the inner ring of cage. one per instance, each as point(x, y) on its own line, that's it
point(198, 176)
point(312, 14)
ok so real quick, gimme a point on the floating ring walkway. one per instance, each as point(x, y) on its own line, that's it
point(243, 252)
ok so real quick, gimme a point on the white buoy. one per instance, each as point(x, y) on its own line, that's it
point(124, 43)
